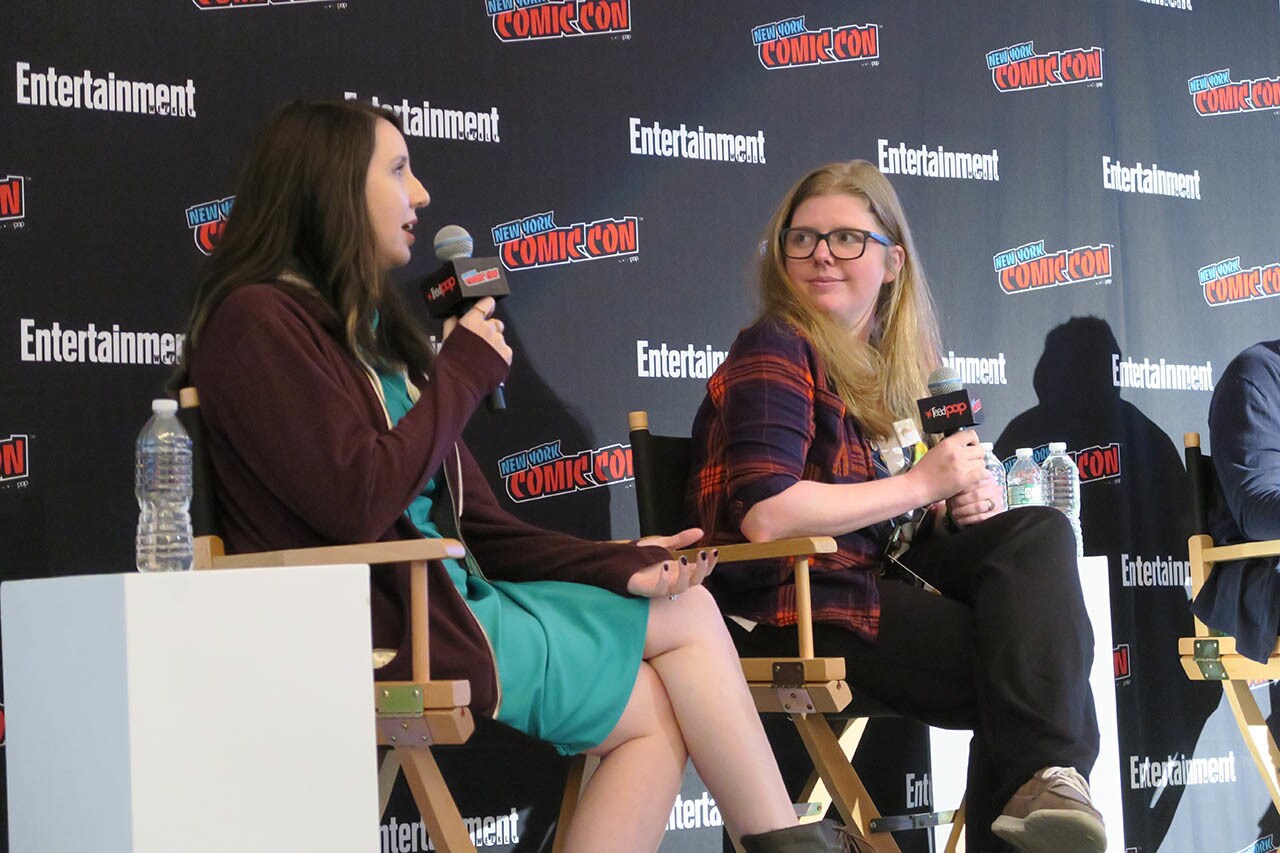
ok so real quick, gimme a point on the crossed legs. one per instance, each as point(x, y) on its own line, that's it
point(689, 701)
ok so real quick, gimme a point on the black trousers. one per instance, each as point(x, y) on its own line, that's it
point(1004, 651)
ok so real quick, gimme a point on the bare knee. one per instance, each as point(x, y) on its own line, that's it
point(691, 619)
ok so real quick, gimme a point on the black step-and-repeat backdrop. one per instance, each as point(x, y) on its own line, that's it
point(1093, 186)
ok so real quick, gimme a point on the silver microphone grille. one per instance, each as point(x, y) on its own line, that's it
point(452, 242)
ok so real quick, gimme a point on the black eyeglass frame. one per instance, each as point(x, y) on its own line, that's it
point(823, 237)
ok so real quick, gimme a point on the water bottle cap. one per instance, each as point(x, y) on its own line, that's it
point(988, 446)
point(164, 406)
point(1057, 447)
point(1024, 452)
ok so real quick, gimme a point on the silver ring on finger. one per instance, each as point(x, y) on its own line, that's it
point(991, 505)
point(673, 595)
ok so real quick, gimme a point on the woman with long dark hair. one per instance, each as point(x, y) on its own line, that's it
point(329, 421)
point(810, 428)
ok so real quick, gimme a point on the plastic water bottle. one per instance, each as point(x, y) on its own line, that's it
point(1062, 486)
point(1025, 481)
point(996, 467)
point(163, 488)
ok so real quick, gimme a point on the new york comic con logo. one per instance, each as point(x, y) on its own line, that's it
point(240, 4)
point(15, 464)
point(526, 20)
point(544, 471)
point(1030, 267)
point(1120, 662)
point(1215, 94)
point(13, 198)
point(1019, 67)
point(536, 240)
point(206, 221)
point(1226, 282)
point(790, 44)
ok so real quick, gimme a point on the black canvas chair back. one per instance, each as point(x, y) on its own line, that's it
point(204, 514)
point(661, 465)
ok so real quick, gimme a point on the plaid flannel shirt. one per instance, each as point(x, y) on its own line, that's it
point(769, 420)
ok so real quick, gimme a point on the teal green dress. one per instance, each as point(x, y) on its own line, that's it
point(567, 654)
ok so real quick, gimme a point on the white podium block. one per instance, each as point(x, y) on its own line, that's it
point(195, 711)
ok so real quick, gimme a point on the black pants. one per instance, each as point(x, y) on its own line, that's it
point(1004, 651)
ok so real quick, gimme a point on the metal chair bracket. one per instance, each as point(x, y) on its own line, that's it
point(795, 700)
point(1209, 659)
point(899, 823)
point(398, 699)
point(788, 673)
point(405, 731)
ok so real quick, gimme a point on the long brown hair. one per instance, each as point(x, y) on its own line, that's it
point(300, 218)
point(879, 380)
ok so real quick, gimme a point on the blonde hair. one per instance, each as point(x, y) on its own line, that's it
point(880, 379)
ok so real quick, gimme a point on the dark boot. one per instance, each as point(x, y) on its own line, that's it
point(824, 837)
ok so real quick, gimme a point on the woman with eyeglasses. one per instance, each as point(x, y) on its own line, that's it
point(810, 428)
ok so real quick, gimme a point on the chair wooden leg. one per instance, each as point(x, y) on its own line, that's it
point(581, 768)
point(435, 803)
point(955, 841)
point(850, 796)
point(388, 771)
point(1253, 726)
point(815, 790)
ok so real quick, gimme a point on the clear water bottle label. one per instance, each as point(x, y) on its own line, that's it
point(1026, 494)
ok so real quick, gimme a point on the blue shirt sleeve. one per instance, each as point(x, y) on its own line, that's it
point(1244, 430)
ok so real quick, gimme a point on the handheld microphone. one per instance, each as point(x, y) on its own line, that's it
point(949, 407)
point(462, 280)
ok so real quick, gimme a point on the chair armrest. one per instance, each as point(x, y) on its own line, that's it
point(1242, 551)
point(802, 546)
point(374, 553)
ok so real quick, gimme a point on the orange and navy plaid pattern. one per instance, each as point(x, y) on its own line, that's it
point(768, 421)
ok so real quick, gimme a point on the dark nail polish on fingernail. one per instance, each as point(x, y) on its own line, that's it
point(715, 552)
point(702, 555)
point(666, 567)
point(684, 561)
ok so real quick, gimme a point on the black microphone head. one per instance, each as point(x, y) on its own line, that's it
point(944, 380)
point(453, 242)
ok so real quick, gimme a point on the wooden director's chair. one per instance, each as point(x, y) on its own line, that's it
point(808, 689)
point(1210, 656)
point(412, 716)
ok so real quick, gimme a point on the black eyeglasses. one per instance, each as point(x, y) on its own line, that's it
point(846, 244)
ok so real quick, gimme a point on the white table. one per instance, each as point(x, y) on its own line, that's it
point(193, 711)
point(950, 749)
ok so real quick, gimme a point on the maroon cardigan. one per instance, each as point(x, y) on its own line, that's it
point(303, 456)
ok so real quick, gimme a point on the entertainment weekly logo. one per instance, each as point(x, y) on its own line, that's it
point(536, 241)
point(789, 43)
point(15, 461)
point(1029, 267)
point(546, 472)
point(207, 220)
point(13, 201)
point(1099, 462)
point(1227, 282)
point(1018, 67)
point(1215, 94)
point(529, 20)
